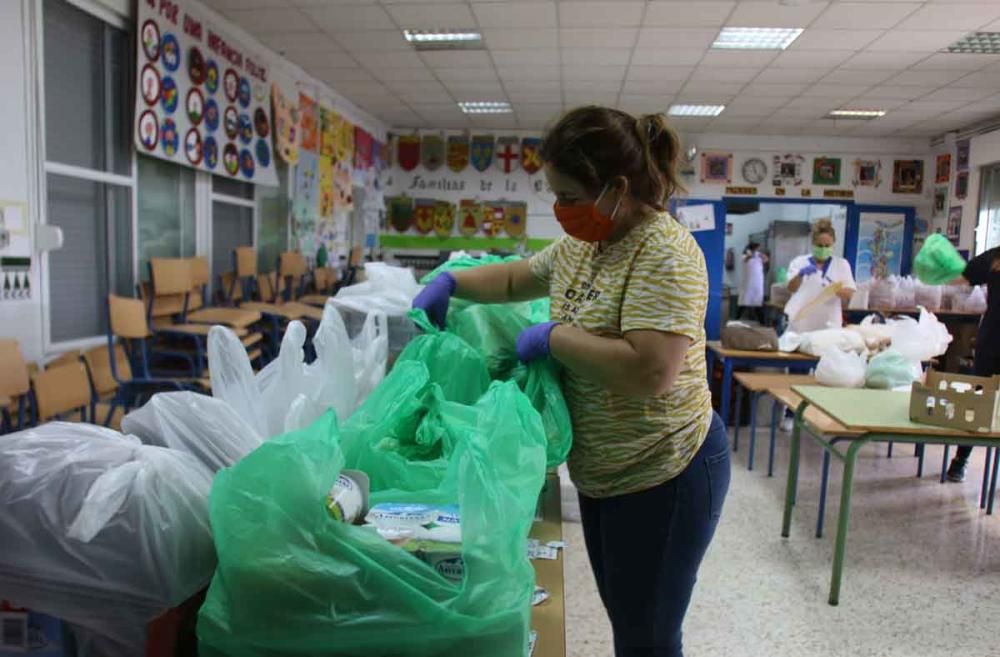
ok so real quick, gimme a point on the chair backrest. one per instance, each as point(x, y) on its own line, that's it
point(65, 358)
point(128, 317)
point(231, 286)
point(271, 286)
point(357, 255)
point(14, 377)
point(291, 264)
point(60, 390)
point(98, 362)
point(245, 261)
point(325, 278)
point(170, 276)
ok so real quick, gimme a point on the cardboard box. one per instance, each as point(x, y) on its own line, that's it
point(957, 401)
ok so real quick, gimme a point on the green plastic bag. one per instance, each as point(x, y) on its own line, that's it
point(492, 331)
point(292, 581)
point(781, 275)
point(938, 261)
point(890, 369)
point(452, 363)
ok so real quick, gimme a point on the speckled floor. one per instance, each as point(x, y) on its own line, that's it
point(922, 576)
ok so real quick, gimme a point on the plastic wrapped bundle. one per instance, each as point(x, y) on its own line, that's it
point(890, 369)
point(906, 294)
point(939, 261)
point(929, 296)
point(882, 295)
point(101, 531)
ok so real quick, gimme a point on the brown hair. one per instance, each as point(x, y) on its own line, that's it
point(824, 226)
point(594, 145)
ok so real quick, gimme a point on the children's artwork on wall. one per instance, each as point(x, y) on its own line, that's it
point(717, 168)
point(481, 155)
point(516, 219)
point(507, 153)
point(329, 132)
point(826, 171)
point(470, 217)
point(343, 185)
point(345, 143)
point(494, 218)
point(942, 173)
point(908, 176)
point(309, 120)
point(423, 215)
point(954, 227)
point(458, 153)
point(326, 197)
point(962, 155)
point(364, 149)
point(867, 173)
point(287, 133)
point(940, 201)
point(432, 152)
point(444, 219)
point(531, 155)
point(305, 199)
point(400, 212)
point(408, 154)
point(880, 246)
point(961, 184)
point(788, 170)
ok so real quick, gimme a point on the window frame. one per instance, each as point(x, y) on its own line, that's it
point(46, 167)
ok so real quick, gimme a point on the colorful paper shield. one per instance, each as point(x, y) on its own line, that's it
point(470, 217)
point(423, 215)
point(494, 218)
point(432, 152)
point(508, 153)
point(408, 154)
point(531, 156)
point(516, 219)
point(400, 212)
point(458, 153)
point(444, 218)
point(481, 154)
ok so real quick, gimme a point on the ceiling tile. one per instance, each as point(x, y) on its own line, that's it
point(742, 75)
point(697, 87)
point(402, 87)
point(748, 104)
point(689, 124)
point(691, 13)
point(282, 41)
point(271, 20)
point(967, 94)
point(525, 57)
point(592, 85)
point(538, 110)
point(819, 39)
point(738, 58)
point(451, 74)
point(874, 100)
point(947, 61)
point(638, 104)
point(528, 73)
point(493, 121)
point(959, 16)
point(345, 18)
point(551, 95)
point(596, 56)
point(791, 74)
point(843, 92)
point(590, 98)
point(424, 96)
point(432, 16)
point(725, 123)
point(927, 77)
point(510, 38)
point(588, 72)
point(671, 39)
point(883, 60)
point(986, 79)
point(820, 59)
point(769, 13)
point(244, 4)
point(703, 98)
point(363, 89)
point(803, 102)
point(664, 73)
point(457, 59)
point(620, 13)
point(657, 57)
point(403, 74)
point(787, 112)
point(865, 15)
point(935, 106)
point(515, 14)
point(743, 112)
point(849, 76)
point(334, 76)
point(473, 90)
point(612, 37)
point(774, 89)
point(651, 87)
point(309, 58)
point(373, 41)
point(901, 92)
point(391, 59)
point(521, 86)
point(915, 40)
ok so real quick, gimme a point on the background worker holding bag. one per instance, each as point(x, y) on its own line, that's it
point(628, 290)
point(939, 263)
point(819, 269)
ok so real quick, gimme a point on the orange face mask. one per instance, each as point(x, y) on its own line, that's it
point(584, 221)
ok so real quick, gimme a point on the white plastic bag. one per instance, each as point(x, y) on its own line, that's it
point(101, 531)
point(905, 294)
point(233, 379)
point(928, 296)
point(371, 354)
point(921, 340)
point(205, 427)
point(815, 317)
point(890, 369)
point(330, 378)
point(841, 369)
point(816, 343)
point(859, 300)
point(975, 302)
point(386, 289)
point(789, 341)
point(882, 295)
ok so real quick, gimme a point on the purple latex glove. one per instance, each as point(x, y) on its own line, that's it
point(808, 270)
point(434, 298)
point(533, 342)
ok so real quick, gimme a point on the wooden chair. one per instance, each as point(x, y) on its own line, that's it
point(292, 270)
point(15, 386)
point(65, 358)
point(61, 392)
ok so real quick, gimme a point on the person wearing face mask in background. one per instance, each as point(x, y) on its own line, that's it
point(629, 291)
point(751, 299)
point(831, 269)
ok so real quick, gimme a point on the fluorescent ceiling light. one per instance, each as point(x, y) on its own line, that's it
point(444, 39)
point(695, 110)
point(866, 114)
point(979, 43)
point(486, 107)
point(757, 38)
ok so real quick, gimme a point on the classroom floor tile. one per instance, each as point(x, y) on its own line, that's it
point(922, 577)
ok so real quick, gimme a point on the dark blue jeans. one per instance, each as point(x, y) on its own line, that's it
point(646, 547)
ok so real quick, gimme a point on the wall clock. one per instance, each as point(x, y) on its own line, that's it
point(754, 170)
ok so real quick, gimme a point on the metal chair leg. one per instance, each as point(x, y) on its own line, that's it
point(944, 463)
point(754, 398)
point(986, 478)
point(737, 413)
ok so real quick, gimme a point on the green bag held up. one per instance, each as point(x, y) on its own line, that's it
point(452, 363)
point(292, 581)
point(492, 331)
point(938, 262)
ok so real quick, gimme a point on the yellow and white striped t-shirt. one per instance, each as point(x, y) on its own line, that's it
point(653, 278)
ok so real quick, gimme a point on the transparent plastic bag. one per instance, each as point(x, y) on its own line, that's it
point(929, 296)
point(841, 369)
point(386, 289)
point(975, 302)
point(890, 369)
point(921, 340)
point(102, 531)
point(370, 351)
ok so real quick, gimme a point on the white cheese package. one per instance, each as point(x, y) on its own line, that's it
point(432, 534)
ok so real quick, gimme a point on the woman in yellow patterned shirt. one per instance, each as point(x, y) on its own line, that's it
point(629, 290)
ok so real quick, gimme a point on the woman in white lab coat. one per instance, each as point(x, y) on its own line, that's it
point(751, 300)
point(831, 269)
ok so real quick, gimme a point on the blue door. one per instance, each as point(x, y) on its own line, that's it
point(879, 240)
point(712, 243)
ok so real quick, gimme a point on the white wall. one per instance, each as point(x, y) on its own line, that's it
point(983, 150)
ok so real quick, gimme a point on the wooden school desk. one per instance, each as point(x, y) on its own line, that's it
point(549, 618)
point(758, 383)
point(878, 416)
point(731, 358)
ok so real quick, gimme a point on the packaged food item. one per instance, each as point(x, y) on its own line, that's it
point(348, 498)
point(423, 522)
point(444, 558)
